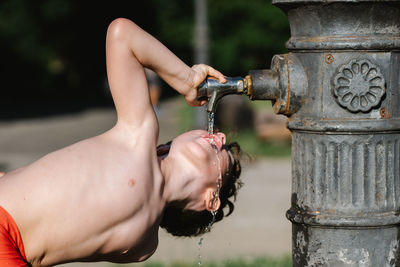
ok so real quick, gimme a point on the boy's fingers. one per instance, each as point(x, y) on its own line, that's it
point(216, 74)
point(192, 101)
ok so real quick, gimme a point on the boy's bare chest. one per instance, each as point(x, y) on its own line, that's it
point(134, 240)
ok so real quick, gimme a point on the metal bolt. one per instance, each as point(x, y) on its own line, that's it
point(329, 59)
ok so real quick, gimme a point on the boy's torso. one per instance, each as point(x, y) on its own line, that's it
point(96, 198)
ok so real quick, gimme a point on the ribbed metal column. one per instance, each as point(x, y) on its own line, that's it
point(346, 135)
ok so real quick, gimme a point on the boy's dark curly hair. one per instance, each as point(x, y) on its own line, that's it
point(180, 222)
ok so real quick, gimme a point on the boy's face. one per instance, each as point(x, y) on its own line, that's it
point(204, 155)
point(203, 149)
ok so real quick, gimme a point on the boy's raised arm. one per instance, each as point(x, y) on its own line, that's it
point(129, 49)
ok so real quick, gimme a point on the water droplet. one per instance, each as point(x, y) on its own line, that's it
point(199, 259)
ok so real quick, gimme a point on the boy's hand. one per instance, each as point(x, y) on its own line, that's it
point(199, 73)
point(2, 173)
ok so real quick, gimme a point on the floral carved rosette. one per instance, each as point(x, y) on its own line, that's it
point(359, 85)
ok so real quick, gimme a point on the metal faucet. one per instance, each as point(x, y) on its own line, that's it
point(284, 84)
point(212, 90)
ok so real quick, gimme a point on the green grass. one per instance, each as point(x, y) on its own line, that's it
point(256, 262)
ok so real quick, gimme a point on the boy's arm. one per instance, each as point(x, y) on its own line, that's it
point(129, 49)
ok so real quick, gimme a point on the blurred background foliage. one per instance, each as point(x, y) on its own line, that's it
point(53, 51)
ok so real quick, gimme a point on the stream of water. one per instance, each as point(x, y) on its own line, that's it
point(210, 130)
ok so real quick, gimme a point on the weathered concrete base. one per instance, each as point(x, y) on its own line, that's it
point(362, 247)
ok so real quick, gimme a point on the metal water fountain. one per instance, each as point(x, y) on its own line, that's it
point(340, 87)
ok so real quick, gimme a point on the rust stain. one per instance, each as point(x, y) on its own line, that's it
point(378, 197)
point(385, 113)
point(329, 59)
point(286, 111)
point(321, 39)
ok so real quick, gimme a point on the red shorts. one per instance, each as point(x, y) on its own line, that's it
point(11, 248)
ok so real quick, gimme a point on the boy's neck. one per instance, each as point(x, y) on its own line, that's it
point(175, 186)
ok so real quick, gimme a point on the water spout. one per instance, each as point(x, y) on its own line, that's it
point(212, 90)
point(284, 84)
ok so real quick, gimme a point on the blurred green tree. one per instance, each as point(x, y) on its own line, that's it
point(53, 50)
point(246, 34)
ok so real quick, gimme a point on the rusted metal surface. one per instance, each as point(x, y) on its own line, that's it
point(329, 59)
point(344, 25)
point(285, 84)
point(346, 134)
point(340, 87)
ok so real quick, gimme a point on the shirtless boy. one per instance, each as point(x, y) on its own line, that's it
point(104, 198)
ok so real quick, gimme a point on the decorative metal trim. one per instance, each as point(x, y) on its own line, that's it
point(359, 85)
point(346, 180)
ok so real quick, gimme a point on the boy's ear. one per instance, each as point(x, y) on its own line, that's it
point(212, 203)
